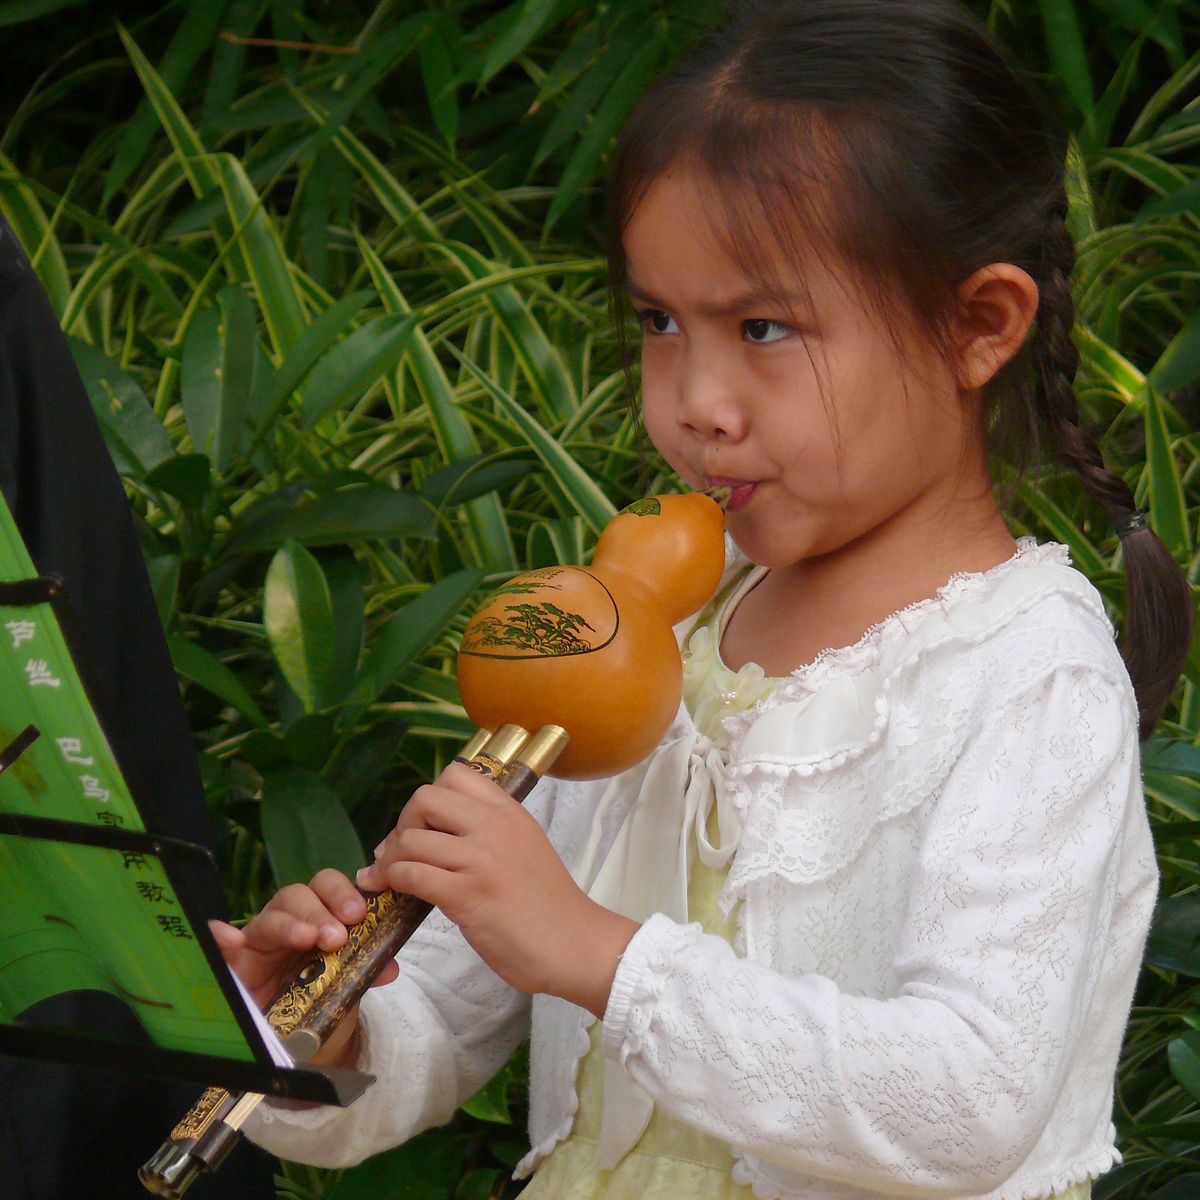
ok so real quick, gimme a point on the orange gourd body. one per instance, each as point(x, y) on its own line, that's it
point(592, 648)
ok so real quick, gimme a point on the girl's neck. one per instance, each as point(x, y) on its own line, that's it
point(830, 600)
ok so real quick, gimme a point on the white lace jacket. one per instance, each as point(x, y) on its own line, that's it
point(945, 876)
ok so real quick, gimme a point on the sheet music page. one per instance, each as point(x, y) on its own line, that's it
point(279, 1056)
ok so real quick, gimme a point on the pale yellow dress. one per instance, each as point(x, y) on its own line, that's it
point(671, 1160)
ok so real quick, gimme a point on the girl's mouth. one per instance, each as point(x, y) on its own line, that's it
point(740, 492)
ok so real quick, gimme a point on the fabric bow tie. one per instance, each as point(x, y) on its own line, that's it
point(647, 872)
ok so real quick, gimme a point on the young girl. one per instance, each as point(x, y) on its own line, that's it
point(868, 921)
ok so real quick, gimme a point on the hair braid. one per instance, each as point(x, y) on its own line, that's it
point(1159, 604)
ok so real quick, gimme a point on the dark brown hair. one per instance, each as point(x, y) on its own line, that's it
point(899, 135)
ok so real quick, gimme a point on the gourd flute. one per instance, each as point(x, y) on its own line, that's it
point(584, 655)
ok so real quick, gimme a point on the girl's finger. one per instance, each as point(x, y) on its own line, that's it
point(434, 884)
point(228, 937)
point(279, 931)
point(432, 806)
point(339, 896)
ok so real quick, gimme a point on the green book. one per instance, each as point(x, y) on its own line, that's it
point(92, 896)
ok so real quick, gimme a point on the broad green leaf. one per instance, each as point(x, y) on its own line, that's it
point(347, 580)
point(456, 483)
point(200, 666)
point(298, 618)
point(425, 1168)
point(343, 516)
point(187, 477)
point(305, 827)
point(135, 436)
point(1183, 1054)
point(1174, 941)
point(356, 364)
point(1168, 508)
point(217, 374)
point(411, 631)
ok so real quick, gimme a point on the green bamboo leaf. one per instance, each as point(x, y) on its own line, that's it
point(21, 209)
point(227, 60)
point(135, 436)
point(1062, 528)
point(577, 485)
point(1184, 199)
point(1179, 364)
point(217, 375)
point(298, 618)
point(189, 149)
point(1168, 507)
point(266, 263)
point(524, 22)
point(540, 359)
point(437, 70)
point(570, 119)
point(1097, 130)
point(16, 12)
point(309, 347)
point(354, 365)
point(1064, 40)
point(486, 521)
point(305, 827)
point(193, 662)
point(621, 97)
point(411, 631)
point(194, 35)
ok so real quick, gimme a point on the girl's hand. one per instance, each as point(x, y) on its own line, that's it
point(464, 844)
point(296, 921)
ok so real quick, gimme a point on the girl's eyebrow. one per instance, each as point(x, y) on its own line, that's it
point(726, 307)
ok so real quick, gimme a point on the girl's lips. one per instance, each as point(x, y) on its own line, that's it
point(741, 491)
point(741, 496)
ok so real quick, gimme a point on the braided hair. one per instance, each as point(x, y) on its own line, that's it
point(903, 136)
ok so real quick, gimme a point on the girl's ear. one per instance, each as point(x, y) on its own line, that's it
point(997, 305)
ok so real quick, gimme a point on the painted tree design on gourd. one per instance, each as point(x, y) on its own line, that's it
point(543, 629)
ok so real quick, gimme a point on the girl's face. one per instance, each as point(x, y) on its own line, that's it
point(730, 392)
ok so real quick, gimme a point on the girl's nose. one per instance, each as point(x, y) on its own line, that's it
point(711, 408)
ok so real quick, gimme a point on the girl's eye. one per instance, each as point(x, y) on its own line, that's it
point(651, 319)
point(757, 329)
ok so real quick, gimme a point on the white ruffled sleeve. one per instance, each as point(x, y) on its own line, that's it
point(945, 1087)
point(432, 1038)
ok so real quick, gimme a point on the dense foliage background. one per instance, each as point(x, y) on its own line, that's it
point(331, 274)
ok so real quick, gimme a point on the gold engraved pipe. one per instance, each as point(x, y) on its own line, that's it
point(330, 983)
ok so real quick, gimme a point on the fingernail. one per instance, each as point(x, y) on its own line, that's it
point(363, 876)
point(329, 932)
point(349, 911)
point(379, 847)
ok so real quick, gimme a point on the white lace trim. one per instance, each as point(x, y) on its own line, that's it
point(868, 649)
